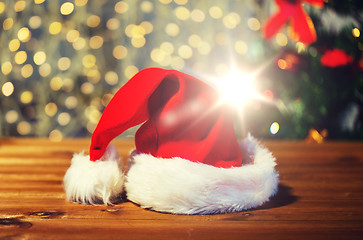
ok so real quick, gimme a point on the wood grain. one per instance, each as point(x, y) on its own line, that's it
point(320, 197)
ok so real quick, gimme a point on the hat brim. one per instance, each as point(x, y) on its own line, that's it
point(179, 186)
point(98, 182)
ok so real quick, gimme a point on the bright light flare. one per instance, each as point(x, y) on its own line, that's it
point(237, 88)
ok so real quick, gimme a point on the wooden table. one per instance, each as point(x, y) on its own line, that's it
point(320, 197)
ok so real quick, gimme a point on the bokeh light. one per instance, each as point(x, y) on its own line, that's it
point(24, 34)
point(7, 89)
point(64, 63)
point(19, 5)
point(356, 32)
point(14, 45)
point(11, 116)
point(121, 7)
point(45, 69)
point(55, 28)
point(39, 57)
point(67, 8)
point(55, 136)
point(8, 24)
point(26, 97)
point(215, 12)
point(80, 3)
point(274, 128)
point(6, 67)
point(24, 128)
point(20, 57)
point(281, 39)
point(51, 109)
point(56, 83)
point(27, 70)
point(119, 52)
point(35, 22)
point(93, 21)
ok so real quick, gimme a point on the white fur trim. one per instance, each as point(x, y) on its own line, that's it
point(180, 186)
point(96, 182)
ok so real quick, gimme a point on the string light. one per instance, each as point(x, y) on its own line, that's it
point(14, 45)
point(72, 35)
point(281, 39)
point(35, 22)
point(19, 5)
point(172, 29)
point(39, 57)
point(93, 75)
point(2, 7)
point(20, 57)
point(45, 69)
point(55, 28)
point(119, 52)
point(8, 24)
point(7, 89)
point(130, 71)
point(185, 51)
point(146, 6)
point(27, 70)
point(26, 97)
point(68, 85)
point(181, 2)
point(165, 1)
point(356, 32)
point(274, 128)
point(71, 102)
point(167, 47)
point(55, 136)
point(254, 24)
point(38, 1)
point(11, 116)
point(231, 20)
point(56, 83)
point(204, 48)
point(23, 128)
point(80, 3)
point(64, 118)
point(79, 43)
point(182, 13)
point(67, 8)
point(121, 7)
point(241, 47)
point(197, 15)
point(89, 61)
point(113, 24)
point(87, 88)
point(6, 67)
point(51, 109)
point(24, 34)
point(64, 63)
point(215, 12)
point(111, 78)
point(93, 21)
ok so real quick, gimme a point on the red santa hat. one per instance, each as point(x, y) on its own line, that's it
point(187, 158)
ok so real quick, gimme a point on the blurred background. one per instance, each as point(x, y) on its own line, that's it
point(62, 61)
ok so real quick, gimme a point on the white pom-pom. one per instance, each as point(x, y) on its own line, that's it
point(96, 182)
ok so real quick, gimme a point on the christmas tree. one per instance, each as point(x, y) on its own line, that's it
point(62, 61)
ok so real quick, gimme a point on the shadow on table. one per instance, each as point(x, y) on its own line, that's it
point(283, 197)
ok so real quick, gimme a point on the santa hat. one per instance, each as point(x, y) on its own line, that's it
point(187, 158)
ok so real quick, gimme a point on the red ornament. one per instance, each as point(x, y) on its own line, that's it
point(291, 10)
point(335, 58)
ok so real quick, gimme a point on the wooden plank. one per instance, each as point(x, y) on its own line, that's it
point(320, 197)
